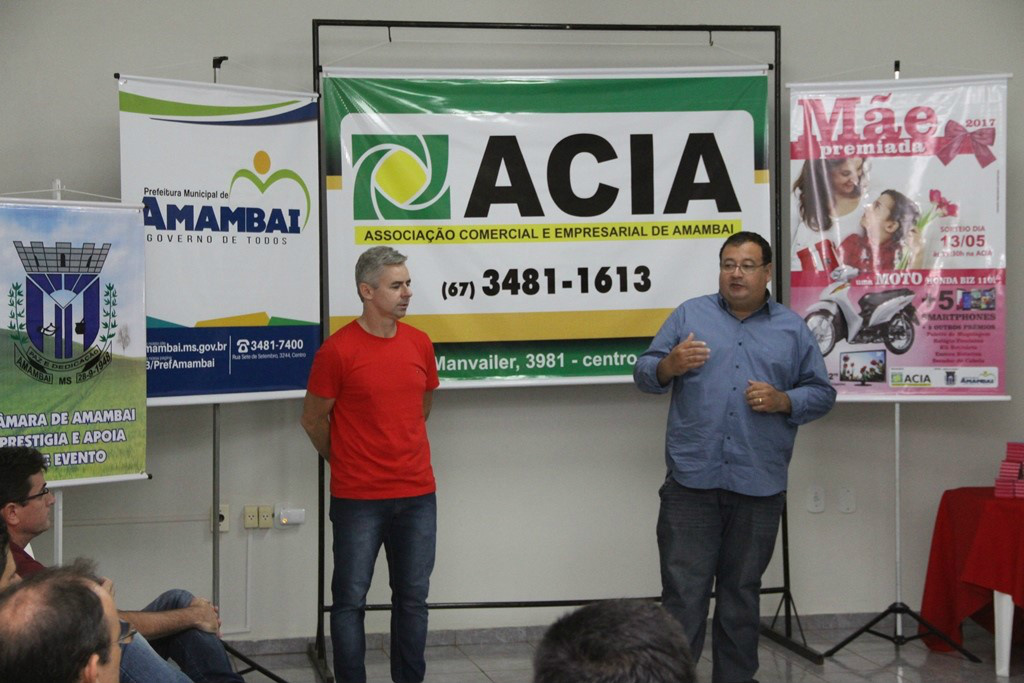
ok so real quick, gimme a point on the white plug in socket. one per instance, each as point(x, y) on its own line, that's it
point(286, 516)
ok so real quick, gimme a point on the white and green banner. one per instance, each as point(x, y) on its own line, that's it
point(228, 178)
point(73, 354)
point(551, 220)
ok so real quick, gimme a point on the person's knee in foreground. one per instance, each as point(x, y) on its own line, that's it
point(616, 641)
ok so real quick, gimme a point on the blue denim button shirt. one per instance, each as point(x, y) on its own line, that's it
point(713, 438)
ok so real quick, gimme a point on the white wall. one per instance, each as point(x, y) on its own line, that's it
point(545, 493)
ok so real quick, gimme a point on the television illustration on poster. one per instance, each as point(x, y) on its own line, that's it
point(976, 299)
point(862, 367)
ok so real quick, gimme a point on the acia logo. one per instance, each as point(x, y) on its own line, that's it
point(62, 319)
point(910, 379)
point(401, 177)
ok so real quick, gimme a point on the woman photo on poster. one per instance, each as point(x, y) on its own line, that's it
point(887, 235)
point(828, 193)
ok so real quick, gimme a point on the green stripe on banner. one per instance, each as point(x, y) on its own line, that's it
point(139, 104)
point(538, 359)
point(345, 96)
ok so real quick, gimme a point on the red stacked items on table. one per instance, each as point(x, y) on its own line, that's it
point(1015, 451)
point(1009, 483)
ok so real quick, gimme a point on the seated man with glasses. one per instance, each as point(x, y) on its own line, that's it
point(176, 626)
point(743, 372)
point(61, 626)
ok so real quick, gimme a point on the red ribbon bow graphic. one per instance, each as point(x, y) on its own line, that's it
point(959, 140)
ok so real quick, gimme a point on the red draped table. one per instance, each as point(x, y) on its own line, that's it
point(977, 548)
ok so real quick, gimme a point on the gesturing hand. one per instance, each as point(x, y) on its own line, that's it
point(687, 355)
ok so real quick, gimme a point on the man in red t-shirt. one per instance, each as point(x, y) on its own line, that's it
point(367, 401)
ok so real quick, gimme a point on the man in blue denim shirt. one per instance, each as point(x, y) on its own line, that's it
point(744, 372)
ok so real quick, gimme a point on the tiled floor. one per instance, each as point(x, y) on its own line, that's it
point(866, 659)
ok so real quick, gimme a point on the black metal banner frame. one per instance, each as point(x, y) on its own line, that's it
point(317, 649)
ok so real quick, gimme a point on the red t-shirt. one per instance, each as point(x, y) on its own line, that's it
point(379, 446)
point(856, 251)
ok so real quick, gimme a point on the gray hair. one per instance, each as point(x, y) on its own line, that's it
point(372, 261)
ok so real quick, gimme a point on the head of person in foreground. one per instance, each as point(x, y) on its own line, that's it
point(615, 641)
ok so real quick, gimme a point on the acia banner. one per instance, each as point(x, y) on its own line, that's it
point(551, 220)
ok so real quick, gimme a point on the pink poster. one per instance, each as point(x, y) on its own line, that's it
point(898, 233)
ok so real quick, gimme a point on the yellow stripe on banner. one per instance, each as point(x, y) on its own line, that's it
point(247, 320)
point(548, 232)
point(497, 327)
point(334, 182)
point(762, 176)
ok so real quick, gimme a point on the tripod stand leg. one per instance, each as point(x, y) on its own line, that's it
point(898, 608)
point(861, 631)
point(936, 633)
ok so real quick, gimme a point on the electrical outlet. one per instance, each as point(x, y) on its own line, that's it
point(266, 516)
point(815, 499)
point(220, 521)
point(847, 502)
point(250, 517)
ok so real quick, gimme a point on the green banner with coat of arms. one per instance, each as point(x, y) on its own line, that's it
point(72, 355)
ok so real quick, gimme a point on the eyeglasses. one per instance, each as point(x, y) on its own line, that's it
point(127, 633)
point(745, 268)
point(46, 490)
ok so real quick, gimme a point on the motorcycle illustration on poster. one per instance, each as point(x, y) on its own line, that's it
point(898, 241)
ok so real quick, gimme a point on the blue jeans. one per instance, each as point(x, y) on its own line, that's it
point(407, 528)
point(713, 537)
point(141, 664)
point(200, 655)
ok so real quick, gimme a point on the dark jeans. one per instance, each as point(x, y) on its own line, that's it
point(200, 655)
point(407, 528)
point(715, 538)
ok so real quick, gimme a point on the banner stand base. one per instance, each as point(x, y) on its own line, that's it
point(319, 662)
point(252, 666)
point(785, 639)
